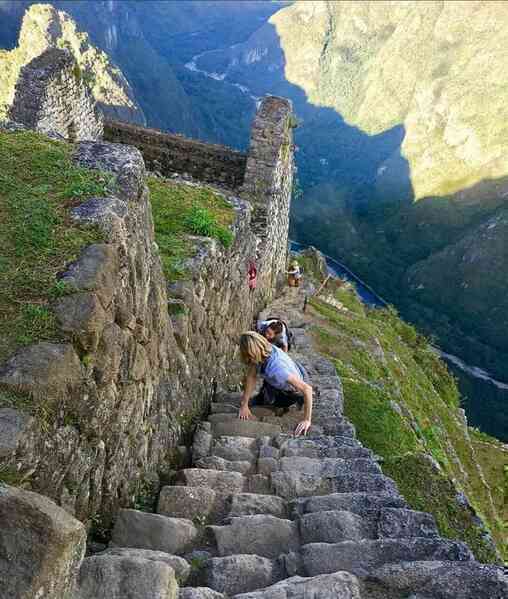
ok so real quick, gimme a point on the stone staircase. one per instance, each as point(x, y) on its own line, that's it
point(265, 515)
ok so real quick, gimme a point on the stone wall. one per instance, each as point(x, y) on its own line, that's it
point(168, 154)
point(268, 183)
point(142, 359)
point(51, 96)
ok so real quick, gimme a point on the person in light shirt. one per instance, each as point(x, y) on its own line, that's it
point(284, 381)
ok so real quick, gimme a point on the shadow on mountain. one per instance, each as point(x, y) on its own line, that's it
point(340, 167)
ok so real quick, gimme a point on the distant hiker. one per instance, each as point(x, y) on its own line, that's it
point(285, 381)
point(252, 275)
point(294, 274)
point(276, 331)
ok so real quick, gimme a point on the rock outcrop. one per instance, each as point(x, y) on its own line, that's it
point(52, 97)
point(43, 28)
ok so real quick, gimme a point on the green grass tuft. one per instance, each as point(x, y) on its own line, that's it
point(404, 403)
point(38, 185)
point(180, 211)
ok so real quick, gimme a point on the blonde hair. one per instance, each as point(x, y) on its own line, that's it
point(254, 348)
point(295, 263)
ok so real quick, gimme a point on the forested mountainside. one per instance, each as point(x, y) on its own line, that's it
point(402, 151)
point(44, 27)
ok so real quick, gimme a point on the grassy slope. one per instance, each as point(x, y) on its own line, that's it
point(405, 406)
point(181, 210)
point(38, 184)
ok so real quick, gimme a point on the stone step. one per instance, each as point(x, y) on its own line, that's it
point(236, 448)
point(339, 585)
point(216, 463)
point(219, 481)
point(233, 398)
point(345, 452)
point(445, 580)
point(198, 593)
point(328, 466)
point(224, 408)
point(236, 574)
point(363, 557)
point(333, 526)
point(153, 531)
point(244, 428)
point(259, 534)
point(362, 504)
point(291, 485)
point(403, 523)
point(323, 467)
point(318, 442)
point(192, 503)
point(248, 504)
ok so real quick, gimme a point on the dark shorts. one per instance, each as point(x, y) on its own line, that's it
point(270, 397)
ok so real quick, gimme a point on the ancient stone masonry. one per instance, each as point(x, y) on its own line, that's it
point(167, 154)
point(268, 183)
point(142, 358)
point(263, 177)
point(260, 514)
point(52, 97)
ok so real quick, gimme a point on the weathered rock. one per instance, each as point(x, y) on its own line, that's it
point(362, 557)
point(469, 581)
point(127, 576)
point(41, 546)
point(152, 531)
point(202, 442)
point(240, 573)
point(223, 482)
point(186, 502)
point(244, 428)
point(83, 315)
point(340, 585)
point(13, 423)
point(41, 367)
point(358, 503)
point(246, 504)
point(236, 448)
point(95, 270)
point(216, 463)
point(442, 579)
point(180, 566)
point(405, 523)
point(259, 534)
point(199, 593)
point(334, 526)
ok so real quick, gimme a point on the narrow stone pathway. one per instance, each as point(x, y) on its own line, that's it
point(265, 515)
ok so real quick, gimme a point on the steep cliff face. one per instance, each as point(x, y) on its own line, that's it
point(423, 65)
point(44, 27)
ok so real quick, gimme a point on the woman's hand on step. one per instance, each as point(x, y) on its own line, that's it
point(302, 427)
point(245, 413)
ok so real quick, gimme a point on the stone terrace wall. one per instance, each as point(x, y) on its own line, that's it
point(52, 97)
point(134, 371)
point(169, 154)
point(268, 183)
